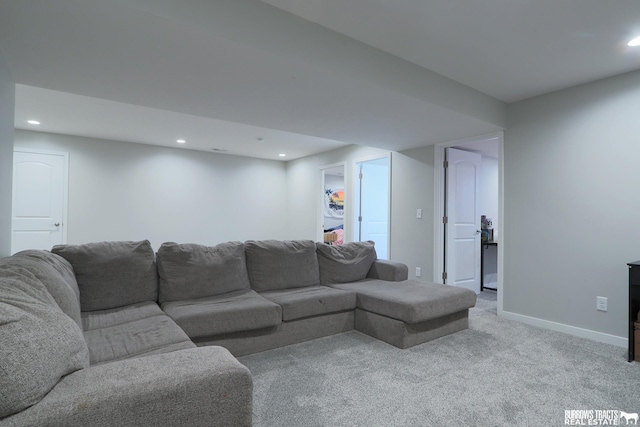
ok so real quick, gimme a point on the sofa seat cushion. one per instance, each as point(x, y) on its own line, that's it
point(411, 301)
point(298, 303)
point(135, 338)
point(39, 344)
point(281, 264)
point(118, 316)
point(190, 271)
point(222, 314)
point(112, 274)
point(345, 263)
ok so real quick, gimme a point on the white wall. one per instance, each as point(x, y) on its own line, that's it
point(572, 205)
point(412, 188)
point(125, 191)
point(412, 183)
point(7, 103)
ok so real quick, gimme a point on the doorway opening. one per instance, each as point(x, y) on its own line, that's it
point(331, 214)
point(479, 254)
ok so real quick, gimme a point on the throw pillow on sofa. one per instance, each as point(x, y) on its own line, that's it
point(281, 264)
point(190, 271)
point(39, 344)
point(345, 263)
point(112, 274)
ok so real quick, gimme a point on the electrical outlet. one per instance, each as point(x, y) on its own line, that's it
point(601, 303)
point(419, 213)
point(418, 271)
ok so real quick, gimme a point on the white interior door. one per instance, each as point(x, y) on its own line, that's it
point(39, 200)
point(372, 197)
point(462, 241)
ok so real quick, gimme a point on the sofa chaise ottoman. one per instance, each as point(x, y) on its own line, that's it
point(410, 312)
point(403, 313)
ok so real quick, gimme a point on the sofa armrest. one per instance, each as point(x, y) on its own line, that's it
point(388, 270)
point(202, 386)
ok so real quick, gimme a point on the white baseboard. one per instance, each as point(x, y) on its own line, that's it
point(571, 330)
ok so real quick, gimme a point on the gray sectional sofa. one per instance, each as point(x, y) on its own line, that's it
point(111, 333)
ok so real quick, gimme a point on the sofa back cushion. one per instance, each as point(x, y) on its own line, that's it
point(191, 271)
point(112, 274)
point(276, 264)
point(39, 344)
point(56, 274)
point(345, 263)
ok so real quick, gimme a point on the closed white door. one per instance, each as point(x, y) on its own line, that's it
point(39, 200)
point(462, 242)
point(372, 195)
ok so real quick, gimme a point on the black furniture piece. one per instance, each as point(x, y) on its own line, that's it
point(634, 304)
point(484, 245)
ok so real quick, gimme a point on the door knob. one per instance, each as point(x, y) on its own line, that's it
point(477, 231)
point(57, 224)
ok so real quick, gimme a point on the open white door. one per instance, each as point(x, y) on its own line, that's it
point(372, 197)
point(462, 241)
point(39, 200)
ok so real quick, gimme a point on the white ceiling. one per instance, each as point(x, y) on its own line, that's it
point(509, 49)
point(67, 113)
point(223, 73)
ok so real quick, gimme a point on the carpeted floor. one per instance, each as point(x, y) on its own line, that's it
point(496, 373)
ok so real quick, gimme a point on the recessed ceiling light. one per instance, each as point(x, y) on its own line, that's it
point(634, 42)
point(282, 155)
point(33, 122)
point(181, 141)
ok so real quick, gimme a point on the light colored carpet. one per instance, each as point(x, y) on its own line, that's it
point(496, 373)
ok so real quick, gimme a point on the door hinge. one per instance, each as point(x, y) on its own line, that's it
point(359, 219)
point(360, 176)
point(445, 164)
point(444, 275)
point(445, 220)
